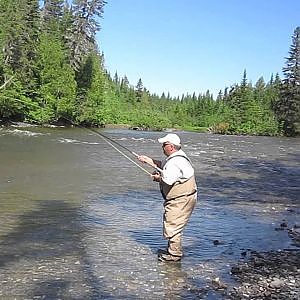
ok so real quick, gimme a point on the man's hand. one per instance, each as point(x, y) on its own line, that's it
point(147, 160)
point(156, 177)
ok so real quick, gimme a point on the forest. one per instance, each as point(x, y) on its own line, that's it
point(52, 72)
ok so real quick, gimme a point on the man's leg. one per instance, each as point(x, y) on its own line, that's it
point(174, 245)
point(176, 215)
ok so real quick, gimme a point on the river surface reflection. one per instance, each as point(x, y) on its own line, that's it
point(80, 221)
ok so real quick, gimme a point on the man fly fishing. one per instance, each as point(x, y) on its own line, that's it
point(178, 187)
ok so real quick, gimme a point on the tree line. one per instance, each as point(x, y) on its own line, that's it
point(52, 71)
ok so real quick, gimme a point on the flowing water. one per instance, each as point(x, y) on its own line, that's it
point(80, 221)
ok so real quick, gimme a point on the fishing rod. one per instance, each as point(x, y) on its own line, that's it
point(110, 141)
point(107, 139)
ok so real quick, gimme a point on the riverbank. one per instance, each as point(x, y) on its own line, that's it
point(264, 275)
point(109, 126)
point(197, 129)
point(267, 275)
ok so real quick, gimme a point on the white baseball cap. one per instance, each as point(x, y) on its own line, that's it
point(171, 138)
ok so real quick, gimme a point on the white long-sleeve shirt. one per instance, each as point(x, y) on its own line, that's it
point(176, 167)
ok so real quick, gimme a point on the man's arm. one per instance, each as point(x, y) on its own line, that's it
point(150, 161)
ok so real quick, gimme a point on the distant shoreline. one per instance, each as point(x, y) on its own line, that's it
point(109, 126)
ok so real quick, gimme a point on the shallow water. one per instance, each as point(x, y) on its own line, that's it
point(80, 221)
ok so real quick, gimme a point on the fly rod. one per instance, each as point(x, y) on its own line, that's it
point(111, 141)
point(108, 140)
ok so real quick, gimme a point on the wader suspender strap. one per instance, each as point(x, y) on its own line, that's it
point(180, 156)
point(169, 160)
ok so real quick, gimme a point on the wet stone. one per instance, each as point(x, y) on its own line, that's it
point(276, 276)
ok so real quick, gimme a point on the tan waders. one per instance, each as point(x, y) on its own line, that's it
point(180, 200)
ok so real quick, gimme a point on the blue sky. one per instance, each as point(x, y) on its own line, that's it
point(186, 46)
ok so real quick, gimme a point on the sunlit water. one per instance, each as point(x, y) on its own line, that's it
point(80, 221)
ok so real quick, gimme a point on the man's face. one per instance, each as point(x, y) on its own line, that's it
point(168, 148)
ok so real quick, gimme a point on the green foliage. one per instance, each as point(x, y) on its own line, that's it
point(221, 128)
point(139, 90)
point(91, 93)
point(57, 86)
point(149, 119)
point(41, 115)
point(13, 102)
point(84, 24)
point(287, 107)
point(59, 75)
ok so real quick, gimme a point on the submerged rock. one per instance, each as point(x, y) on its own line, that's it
point(216, 242)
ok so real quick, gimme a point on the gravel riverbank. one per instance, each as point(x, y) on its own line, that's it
point(268, 275)
point(264, 275)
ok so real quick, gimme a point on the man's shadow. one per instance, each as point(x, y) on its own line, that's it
point(49, 234)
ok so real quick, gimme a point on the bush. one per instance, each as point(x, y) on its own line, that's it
point(221, 128)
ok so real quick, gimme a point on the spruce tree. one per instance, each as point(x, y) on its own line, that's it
point(53, 9)
point(288, 106)
point(27, 44)
point(19, 20)
point(92, 91)
point(52, 16)
point(125, 91)
point(85, 24)
point(139, 90)
point(10, 33)
point(273, 89)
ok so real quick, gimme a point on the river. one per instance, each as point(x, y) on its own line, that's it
point(80, 221)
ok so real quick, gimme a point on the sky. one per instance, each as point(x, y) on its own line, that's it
point(187, 46)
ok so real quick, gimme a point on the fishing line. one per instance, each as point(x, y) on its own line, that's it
point(107, 139)
point(110, 142)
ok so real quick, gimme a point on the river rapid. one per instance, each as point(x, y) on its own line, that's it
point(80, 221)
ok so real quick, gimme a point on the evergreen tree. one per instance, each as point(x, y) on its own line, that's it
point(57, 86)
point(288, 106)
point(273, 90)
point(125, 91)
point(53, 14)
point(220, 96)
point(124, 83)
point(139, 90)
point(116, 78)
point(27, 44)
point(260, 94)
point(19, 22)
point(93, 92)
point(81, 38)
point(57, 72)
point(5, 41)
point(53, 9)
point(10, 33)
